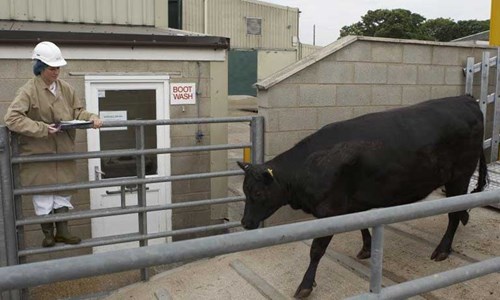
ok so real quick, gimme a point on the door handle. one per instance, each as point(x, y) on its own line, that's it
point(126, 190)
point(98, 173)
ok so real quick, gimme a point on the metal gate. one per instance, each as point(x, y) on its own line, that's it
point(12, 222)
point(489, 100)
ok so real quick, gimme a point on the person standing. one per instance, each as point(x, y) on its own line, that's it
point(43, 102)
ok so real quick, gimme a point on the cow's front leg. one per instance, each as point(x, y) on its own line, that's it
point(318, 249)
point(365, 252)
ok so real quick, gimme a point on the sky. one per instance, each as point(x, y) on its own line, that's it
point(330, 16)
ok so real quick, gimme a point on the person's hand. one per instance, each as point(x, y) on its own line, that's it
point(53, 128)
point(97, 123)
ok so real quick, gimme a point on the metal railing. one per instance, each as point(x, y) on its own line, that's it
point(14, 221)
point(22, 276)
point(486, 97)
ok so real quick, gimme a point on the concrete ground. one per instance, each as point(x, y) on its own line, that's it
point(275, 272)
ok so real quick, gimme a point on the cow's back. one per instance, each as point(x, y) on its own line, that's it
point(413, 126)
point(387, 158)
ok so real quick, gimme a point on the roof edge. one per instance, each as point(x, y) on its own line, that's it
point(274, 5)
point(473, 36)
point(113, 39)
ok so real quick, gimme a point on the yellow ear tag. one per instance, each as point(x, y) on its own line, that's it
point(270, 172)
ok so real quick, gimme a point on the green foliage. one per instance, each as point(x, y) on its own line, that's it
point(469, 27)
point(401, 23)
point(439, 29)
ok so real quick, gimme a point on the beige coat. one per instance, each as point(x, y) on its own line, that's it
point(33, 109)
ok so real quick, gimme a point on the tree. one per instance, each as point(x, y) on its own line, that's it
point(396, 23)
point(401, 23)
point(439, 29)
point(446, 30)
point(468, 27)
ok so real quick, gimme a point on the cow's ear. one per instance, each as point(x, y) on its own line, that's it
point(244, 166)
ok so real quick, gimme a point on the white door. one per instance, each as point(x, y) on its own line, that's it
point(130, 98)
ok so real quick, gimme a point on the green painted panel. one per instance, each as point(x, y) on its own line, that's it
point(242, 67)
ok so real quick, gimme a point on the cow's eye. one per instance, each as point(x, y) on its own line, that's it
point(258, 194)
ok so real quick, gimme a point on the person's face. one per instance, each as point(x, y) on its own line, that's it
point(50, 74)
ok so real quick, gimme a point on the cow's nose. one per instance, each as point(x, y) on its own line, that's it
point(249, 224)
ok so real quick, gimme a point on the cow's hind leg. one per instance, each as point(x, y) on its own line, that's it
point(318, 249)
point(365, 252)
point(443, 250)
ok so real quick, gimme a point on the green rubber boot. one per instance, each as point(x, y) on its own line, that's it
point(62, 234)
point(48, 231)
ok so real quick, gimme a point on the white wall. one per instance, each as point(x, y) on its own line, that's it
point(271, 61)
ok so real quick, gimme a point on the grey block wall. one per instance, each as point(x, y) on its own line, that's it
point(367, 75)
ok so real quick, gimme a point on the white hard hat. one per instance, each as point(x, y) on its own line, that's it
point(49, 54)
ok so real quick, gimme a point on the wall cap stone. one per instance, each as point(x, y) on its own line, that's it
point(343, 43)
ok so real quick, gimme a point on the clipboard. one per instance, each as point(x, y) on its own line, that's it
point(75, 124)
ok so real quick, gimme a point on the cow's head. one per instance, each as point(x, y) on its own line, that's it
point(263, 194)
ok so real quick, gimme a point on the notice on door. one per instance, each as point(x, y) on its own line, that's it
point(182, 93)
point(116, 115)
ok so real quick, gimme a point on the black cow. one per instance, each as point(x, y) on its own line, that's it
point(376, 160)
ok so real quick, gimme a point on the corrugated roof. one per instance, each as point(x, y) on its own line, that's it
point(336, 46)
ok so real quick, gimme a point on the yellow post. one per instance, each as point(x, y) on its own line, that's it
point(247, 155)
point(495, 23)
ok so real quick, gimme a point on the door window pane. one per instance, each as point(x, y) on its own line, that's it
point(139, 105)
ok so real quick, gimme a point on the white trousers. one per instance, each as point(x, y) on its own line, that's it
point(44, 204)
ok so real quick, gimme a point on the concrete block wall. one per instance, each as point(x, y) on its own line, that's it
point(15, 73)
point(368, 75)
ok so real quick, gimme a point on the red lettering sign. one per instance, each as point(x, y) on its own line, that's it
point(182, 93)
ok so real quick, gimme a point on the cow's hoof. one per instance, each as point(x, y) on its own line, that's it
point(302, 293)
point(364, 254)
point(439, 255)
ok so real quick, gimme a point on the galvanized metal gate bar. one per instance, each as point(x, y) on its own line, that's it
point(469, 76)
point(8, 205)
point(376, 259)
point(103, 212)
point(119, 182)
point(496, 114)
point(257, 134)
point(141, 192)
point(123, 152)
point(433, 282)
point(485, 98)
point(485, 71)
point(21, 276)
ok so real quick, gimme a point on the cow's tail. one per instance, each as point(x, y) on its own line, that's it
point(482, 179)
